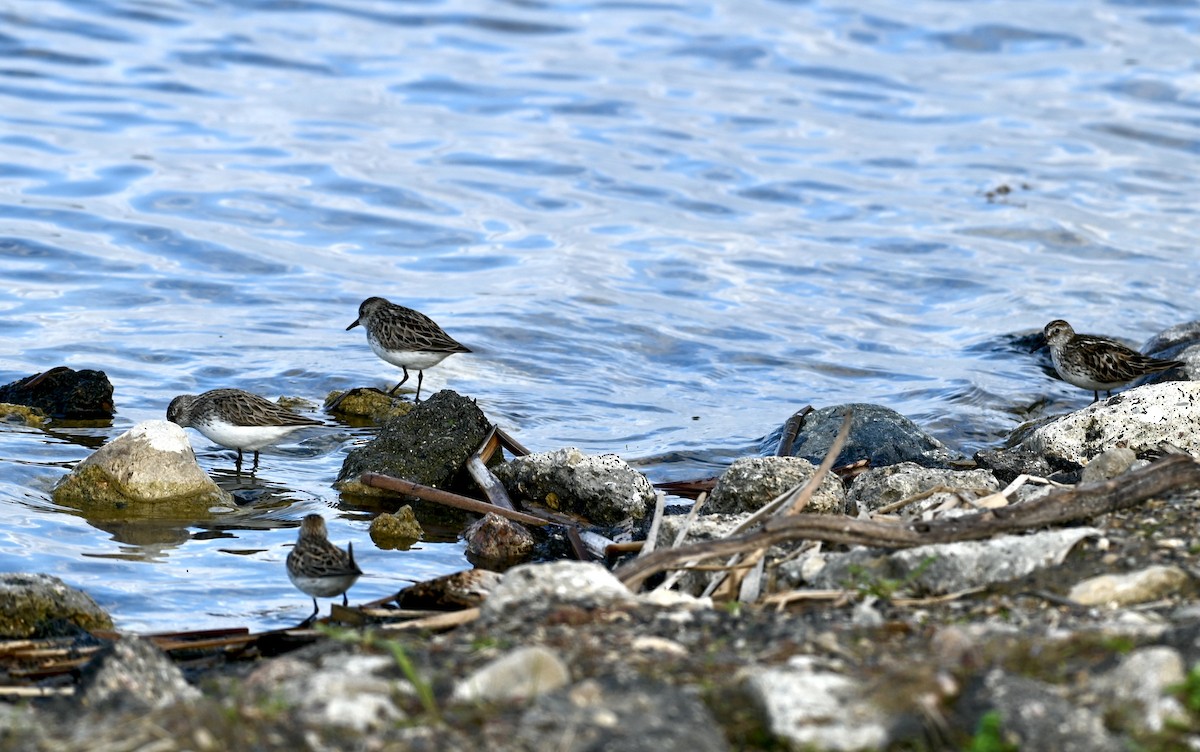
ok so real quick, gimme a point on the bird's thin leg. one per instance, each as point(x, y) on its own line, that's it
point(1095, 396)
point(254, 469)
point(313, 615)
point(238, 464)
point(393, 390)
point(420, 378)
point(345, 600)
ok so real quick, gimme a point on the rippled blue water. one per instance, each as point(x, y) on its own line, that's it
point(663, 227)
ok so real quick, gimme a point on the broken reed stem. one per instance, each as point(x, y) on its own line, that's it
point(437, 495)
point(1174, 473)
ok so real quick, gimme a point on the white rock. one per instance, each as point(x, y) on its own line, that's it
point(1118, 590)
point(812, 708)
point(519, 674)
point(555, 583)
point(152, 466)
point(1139, 691)
point(1140, 418)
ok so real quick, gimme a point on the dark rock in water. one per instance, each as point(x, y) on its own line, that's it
point(878, 434)
point(133, 674)
point(1169, 343)
point(64, 393)
point(429, 445)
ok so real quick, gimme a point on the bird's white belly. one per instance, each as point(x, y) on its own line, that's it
point(323, 587)
point(417, 359)
point(1081, 379)
point(244, 437)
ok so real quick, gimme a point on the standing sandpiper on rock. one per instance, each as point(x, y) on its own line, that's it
point(319, 568)
point(237, 420)
point(405, 338)
point(1097, 363)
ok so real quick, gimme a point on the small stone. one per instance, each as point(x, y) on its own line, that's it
point(133, 674)
point(1117, 590)
point(814, 708)
point(497, 543)
point(366, 404)
point(1139, 692)
point(555, 584)
point(1108, 464)
point(517, 675)
point(751, 482)
point(23, 414)
point(399, 530)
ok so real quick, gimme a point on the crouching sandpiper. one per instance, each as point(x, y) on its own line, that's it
point(237, 420)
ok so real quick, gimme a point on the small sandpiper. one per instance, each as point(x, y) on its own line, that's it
point(319, 568)
point(237, 420)
point(1097, 363)
point(405, 338)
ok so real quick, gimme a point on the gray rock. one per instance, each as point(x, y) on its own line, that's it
point(751, 482)
point(519, 674)
point(877, 433)
point(343, 690)
point(1033, 716)
point(1170, 342)
point(555, 584)
point(39, 604)
point(812, 708)
point(150, 470)
point(1117, 590)
point(1137, 418)
point(945, 567)
point(620, 717)
point(428, 445)
point(1139, 693)
point(133, 674)
point(603, 489)
point(1108, 464)
point(1007, 464)
point(881, 486)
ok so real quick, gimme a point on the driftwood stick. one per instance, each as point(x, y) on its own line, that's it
point(790, 429)
point(483, 477)
point(1170, 474)
point(446, 498)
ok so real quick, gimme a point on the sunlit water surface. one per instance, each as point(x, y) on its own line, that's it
point(662, 226)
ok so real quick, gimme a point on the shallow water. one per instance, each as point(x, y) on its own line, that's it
point(663, 227)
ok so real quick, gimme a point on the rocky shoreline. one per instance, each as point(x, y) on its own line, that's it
point(1083, 633)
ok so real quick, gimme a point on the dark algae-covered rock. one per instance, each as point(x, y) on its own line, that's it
point(64, 393)
point(429, 445)
point(879, 434)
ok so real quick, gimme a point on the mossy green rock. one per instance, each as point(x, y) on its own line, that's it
point(30, 416)
point(399, 530)
point(367, 404)
point(39, 605)
point(430, 445)
point(148, 471)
